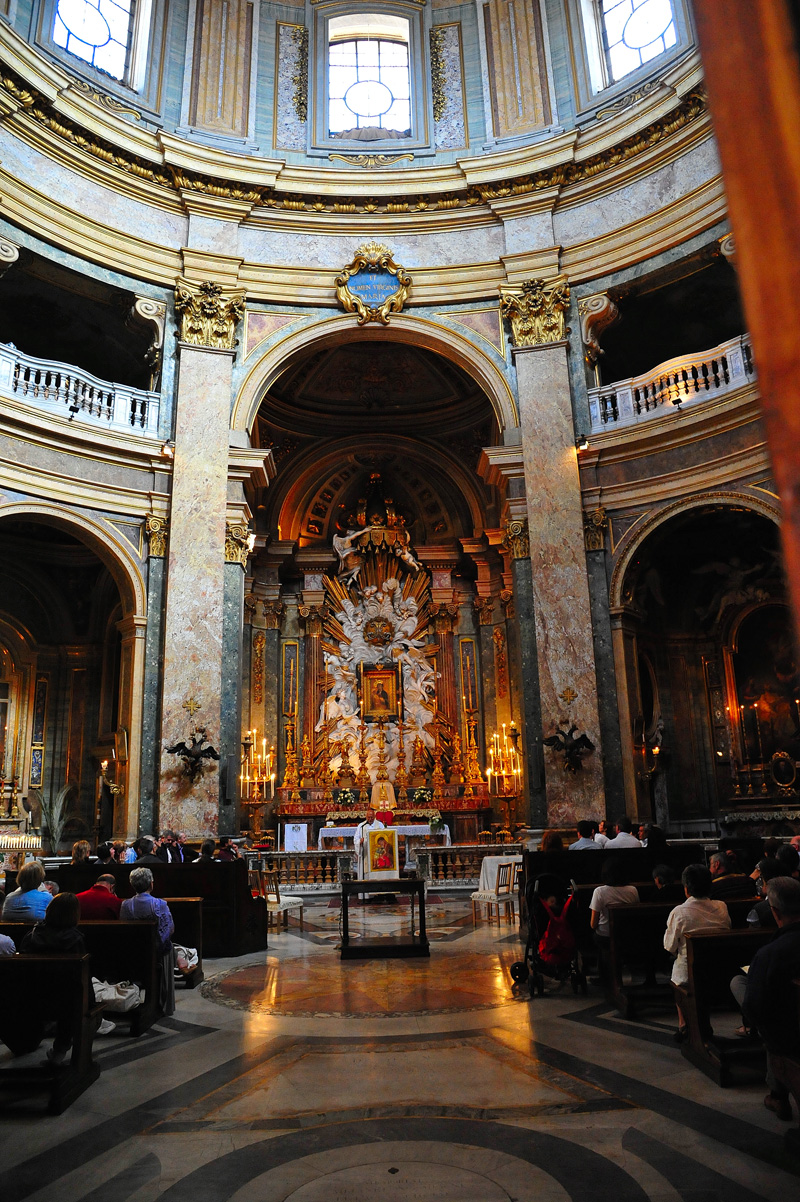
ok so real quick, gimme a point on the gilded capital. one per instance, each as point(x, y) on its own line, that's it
point(537, 311)
point(445, 616)
point(484, 608)
point(156, 530)
point(594, 527)
point(314, 617)
point(517, 540)
point(208, 314)
point(237, 543)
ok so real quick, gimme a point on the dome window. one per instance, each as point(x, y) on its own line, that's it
point(110, 35)
point(369, 94)
point(635, 31)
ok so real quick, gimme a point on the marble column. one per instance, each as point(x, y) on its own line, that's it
point(230, 749)
point(131, 708)
point(195, 639)
point(151, 696)
point(522, 647)
point(561, 606)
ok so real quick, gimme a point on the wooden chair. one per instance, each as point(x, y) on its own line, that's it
point(278, 906)
point(502, 895)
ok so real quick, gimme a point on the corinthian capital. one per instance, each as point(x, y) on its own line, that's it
point(208, 314)
point(537, 312)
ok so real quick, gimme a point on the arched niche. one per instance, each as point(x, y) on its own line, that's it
point(683, 581)
point(69, 691)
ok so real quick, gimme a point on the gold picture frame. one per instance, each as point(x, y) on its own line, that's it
point(383, 860)
point(379, 694)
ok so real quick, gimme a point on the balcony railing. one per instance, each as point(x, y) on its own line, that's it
point(677, 383)
point(73, 393)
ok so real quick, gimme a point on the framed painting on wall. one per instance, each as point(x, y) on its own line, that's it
point(379, 694)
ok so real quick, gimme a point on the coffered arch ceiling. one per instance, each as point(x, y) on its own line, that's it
point(375, 386)
point(344, 412)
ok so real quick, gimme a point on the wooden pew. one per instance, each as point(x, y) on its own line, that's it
point(637, 944)
point(787, 1072)
point(119, 951)
point(35, 985)
point(585, 867)
point(234, 922)
point(187, 914)
point(713, 960)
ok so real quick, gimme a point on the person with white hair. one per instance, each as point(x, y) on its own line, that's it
point(144, 907)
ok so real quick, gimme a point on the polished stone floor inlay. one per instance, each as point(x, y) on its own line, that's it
point(369, 987)
point(293, 1077)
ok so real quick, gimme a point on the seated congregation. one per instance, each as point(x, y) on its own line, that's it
point(660, 927)
point(98, 949)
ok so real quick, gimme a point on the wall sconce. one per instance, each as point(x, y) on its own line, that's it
point(581, 442)
point(168, 449)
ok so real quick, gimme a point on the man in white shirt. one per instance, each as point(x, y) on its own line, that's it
point(361, 840)
point(699, 912)
point(586, 841)
point(624, 836)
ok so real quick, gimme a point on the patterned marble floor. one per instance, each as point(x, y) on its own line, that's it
point(313, 1080)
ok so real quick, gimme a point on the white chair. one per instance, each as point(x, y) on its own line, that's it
point(278, 906)
point(502, 895)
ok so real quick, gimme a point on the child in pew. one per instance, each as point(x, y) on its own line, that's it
point(615, 890)
point(57, 935)
point(698, 913)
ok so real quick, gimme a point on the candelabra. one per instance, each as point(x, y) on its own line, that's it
point(383, 773)
point(306, 763)
point(457, 762)
point(401, 775)
point(362, 780)
point(505, 764)
point(291, 776)
point(473, 768)
point(257, 776)
point(437, 777)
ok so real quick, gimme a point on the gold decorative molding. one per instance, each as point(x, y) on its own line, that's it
point(300, 75)
point(595, 525)
point(43, 110)
point(517, 538)
point(537, 311)
point(208, 314)
point(375, 256)
point(259, 641)
point(597, 313)
point(273, 612)
point(156, 530)
point(371, 160)
point(624, 102)
point(105, 101)
point(507, 602)
point(484, 608)
point(501, 661)
point(438, 74)
point(237, 543)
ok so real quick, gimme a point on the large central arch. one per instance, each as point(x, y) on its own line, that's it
point(341, 329)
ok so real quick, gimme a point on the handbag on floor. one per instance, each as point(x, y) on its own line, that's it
point(118, 996)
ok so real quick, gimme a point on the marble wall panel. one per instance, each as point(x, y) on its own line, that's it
point(87, 197)
point(290, 131)
point(330, 252)
point(449, 130)
point(194, 628)
point(603, 214)
point(564, 640)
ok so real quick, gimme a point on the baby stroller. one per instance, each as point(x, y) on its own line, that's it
point(551, 949)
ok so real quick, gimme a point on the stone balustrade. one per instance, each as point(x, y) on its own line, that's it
point(460, 864)
point(308, 871)
point(679, 382)
point(68, 391)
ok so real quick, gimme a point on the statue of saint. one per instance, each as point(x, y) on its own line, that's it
point(351, 558)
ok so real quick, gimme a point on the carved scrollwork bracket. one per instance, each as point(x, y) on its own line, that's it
point(156, 530)
point(597, 313)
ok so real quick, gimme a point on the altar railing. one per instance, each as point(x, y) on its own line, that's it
point(460, 864)
point(319, 871)
point(679, 382)
point(73, 393)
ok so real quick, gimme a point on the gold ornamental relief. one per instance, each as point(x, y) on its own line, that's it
point(538, 312)
point(238, 543)
point(517, 538)
point(156, 530)
point(373, 286)
point(208, 314)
